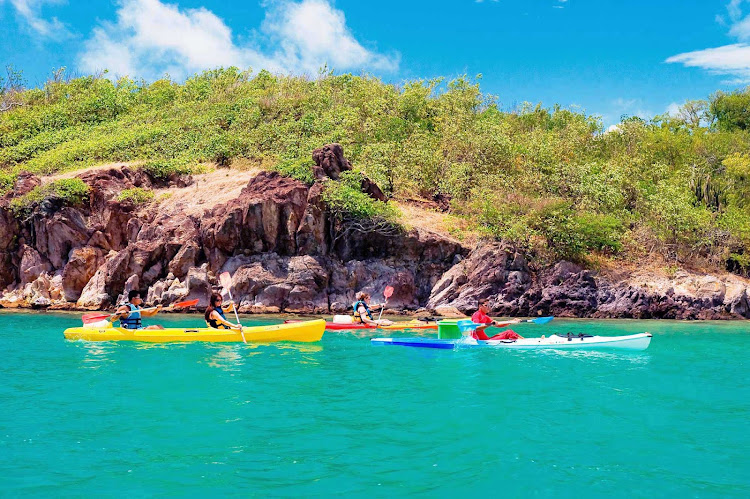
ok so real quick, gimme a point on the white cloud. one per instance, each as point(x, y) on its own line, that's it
point(732, 60)
point(673, 109)
point(727, 60)
point(613, 128)
point(31, 12)
point(150, 38)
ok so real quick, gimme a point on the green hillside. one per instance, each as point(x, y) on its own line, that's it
point(548, 179)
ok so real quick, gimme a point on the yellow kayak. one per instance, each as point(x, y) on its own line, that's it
point(296, 331)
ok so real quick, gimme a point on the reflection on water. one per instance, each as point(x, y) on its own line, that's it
point(96, 354)
point(633, 357)
point(226, 357)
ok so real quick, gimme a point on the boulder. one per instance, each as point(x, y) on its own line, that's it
point(25, 183)
point(32, 265)
point(185, 258)
point(274, 283)
point(79, 270)
point(330, 162)
point(58, 234)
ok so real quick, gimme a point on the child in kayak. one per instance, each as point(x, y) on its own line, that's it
point(215, 317)
point(481, 317)
point(363, 312)
point(131, 313)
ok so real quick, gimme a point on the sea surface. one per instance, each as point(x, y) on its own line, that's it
point(344, 417)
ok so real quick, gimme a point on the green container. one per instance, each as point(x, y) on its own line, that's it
point(448, 329)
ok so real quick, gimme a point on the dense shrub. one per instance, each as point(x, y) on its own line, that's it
point(66, 192)
point(136, 195)
point(300, 169)
point(164, 168)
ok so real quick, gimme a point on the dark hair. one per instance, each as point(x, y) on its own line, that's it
point(483, 301)
point(212, 302)
point(133, 293)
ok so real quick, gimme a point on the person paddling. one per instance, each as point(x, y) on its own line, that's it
point(363, 312)
point(131, 313)
point(481, 317)
point(215, 317)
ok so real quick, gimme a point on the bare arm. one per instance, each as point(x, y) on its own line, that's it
point(215, 316)
point(150, 312)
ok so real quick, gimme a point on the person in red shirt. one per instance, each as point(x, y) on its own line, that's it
point(481, 317)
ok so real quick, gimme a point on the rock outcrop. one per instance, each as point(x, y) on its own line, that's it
point(498, 273)
point(276, 240)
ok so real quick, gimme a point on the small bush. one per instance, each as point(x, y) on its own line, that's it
point(136, 195)
point(67, 192)
point(6, 182)
point(162, 169)
point(300, 169)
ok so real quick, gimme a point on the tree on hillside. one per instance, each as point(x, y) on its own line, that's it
point(731, 111)
point(11, 88)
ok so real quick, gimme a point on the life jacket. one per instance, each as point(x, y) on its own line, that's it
point(357, 317)
point(133, 320)
point(214, 323)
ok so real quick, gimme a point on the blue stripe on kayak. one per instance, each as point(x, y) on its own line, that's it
point(418, 343)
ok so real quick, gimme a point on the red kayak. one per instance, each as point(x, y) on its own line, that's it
point(333, 326)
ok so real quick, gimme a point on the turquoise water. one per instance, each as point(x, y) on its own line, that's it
point(341, 416)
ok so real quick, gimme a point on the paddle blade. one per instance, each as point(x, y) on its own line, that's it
point(388, 292)
point(226, 280)
point(94, 317)
point(185, 304)
point(542, 320)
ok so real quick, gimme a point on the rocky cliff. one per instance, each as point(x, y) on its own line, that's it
point(275, 239)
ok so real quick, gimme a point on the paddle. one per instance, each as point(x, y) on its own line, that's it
point(539, 320)
point(387, 292)
point(98, 316)
point(226, 283)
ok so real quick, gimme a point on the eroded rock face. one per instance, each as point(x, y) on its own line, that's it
point(79, 270)
point(494, 271)
point(32, 265)
point(273, 283)
point(263, 219)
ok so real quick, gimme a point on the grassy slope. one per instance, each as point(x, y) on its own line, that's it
point(544, 178)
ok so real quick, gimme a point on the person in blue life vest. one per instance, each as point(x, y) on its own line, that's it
point(214, 315)
point(363, 311)
point(131, 313)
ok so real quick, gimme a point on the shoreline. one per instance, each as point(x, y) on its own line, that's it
point(395, 317)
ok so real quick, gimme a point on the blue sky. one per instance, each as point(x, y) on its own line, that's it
point(608, 58)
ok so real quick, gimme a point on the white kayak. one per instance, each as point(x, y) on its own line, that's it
point(638, 341)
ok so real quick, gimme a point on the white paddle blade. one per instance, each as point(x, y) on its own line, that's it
point(226, 280)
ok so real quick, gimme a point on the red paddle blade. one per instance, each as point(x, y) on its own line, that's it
point(94, 317)
point(388, 291)
point(185, 304)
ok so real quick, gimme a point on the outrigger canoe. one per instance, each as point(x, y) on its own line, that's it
point(307, 331)
point(639, 341)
